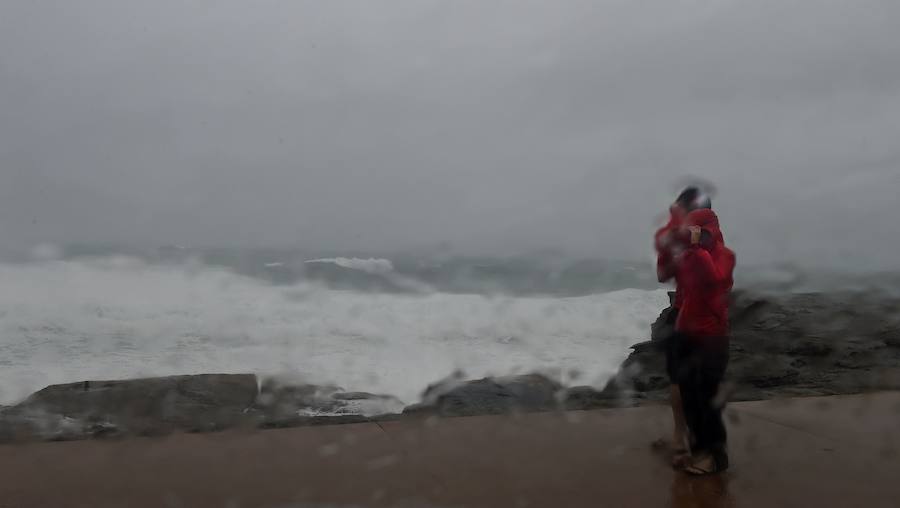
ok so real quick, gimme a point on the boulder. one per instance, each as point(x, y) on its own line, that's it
point(662, 327)
point(278, 399)
point(784, 345)
point(145, 406)
point(281, 400)
point(207, 402)
point(810, 347)
point(532, 392)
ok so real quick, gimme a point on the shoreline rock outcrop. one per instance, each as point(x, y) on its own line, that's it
point(790, 345)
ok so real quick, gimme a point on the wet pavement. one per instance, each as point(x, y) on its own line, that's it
point(831, 451)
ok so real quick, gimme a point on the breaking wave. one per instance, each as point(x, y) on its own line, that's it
point(114, 317)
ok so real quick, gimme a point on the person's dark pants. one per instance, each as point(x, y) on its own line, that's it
point(701, 364)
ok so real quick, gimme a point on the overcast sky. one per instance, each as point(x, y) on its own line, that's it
point(496, 127)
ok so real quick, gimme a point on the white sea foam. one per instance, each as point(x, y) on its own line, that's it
point(370, 265)
point(64, 321)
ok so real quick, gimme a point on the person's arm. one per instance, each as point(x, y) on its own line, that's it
point(664, 240)
point(665, 267)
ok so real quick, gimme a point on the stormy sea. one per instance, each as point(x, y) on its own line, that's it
point(389, 324)
point(376, 324)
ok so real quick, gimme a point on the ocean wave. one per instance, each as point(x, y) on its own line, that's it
point(371, 265)
point(116, 317)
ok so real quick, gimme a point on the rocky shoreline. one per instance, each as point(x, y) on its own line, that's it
point(785, 345)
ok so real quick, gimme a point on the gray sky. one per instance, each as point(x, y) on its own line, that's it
point(495, 126)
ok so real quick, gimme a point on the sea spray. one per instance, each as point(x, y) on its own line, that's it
point(113, 318)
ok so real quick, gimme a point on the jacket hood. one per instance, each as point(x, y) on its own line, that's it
point(708, 221)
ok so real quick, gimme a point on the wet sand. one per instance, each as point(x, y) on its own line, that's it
point(829, 451)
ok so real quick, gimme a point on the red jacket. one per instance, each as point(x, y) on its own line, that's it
point(669, 244)
point(704, 275)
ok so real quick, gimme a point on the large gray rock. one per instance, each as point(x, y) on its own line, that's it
point(281, 402)
point(142, 406)
point(662, 327)
point(784, 345)
point(196, 403)
point(532, 392)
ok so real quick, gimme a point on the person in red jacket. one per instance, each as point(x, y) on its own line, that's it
point(670, 242)
point(704, 271)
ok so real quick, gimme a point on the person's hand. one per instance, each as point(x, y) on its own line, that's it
point(695, 234)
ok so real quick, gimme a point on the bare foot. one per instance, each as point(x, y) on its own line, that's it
point(701, 465)
point(677, 453)
point(681, 460)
